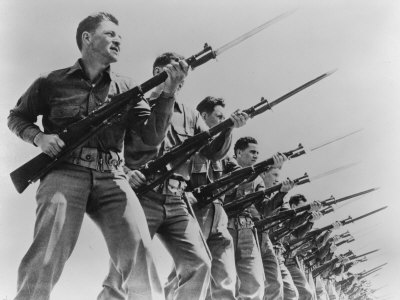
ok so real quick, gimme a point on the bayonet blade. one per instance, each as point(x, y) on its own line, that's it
point(367, 214)
point(334, 140)
point(354, 195)
point(251, 33)
point(333, 171)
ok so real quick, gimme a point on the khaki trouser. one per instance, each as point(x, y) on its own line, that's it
point(63, 197)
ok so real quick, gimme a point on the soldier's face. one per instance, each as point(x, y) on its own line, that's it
point(248, 156)
point(216, 117)
point(271, 177)
point(105, 42)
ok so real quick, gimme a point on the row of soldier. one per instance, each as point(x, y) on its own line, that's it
point(218, 251)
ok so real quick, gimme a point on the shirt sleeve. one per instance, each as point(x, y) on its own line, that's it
point(219, 146)
point(23, 116)
point(152, 124)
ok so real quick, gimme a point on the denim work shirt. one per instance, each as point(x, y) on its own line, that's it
point(185, 123)
point(65, 96)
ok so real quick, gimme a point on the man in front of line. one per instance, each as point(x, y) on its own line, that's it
point(167, 212)
point(91, 179)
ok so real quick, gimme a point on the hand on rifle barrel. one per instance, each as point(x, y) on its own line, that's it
point(51, 144)
point(279, 159)
point(337, 225)
point(315, 215)
point(239, 118)
point(287, 185)
point(315, 206)
point(177, 72)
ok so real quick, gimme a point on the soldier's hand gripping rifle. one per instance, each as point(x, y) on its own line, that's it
point(246, 201)
point(76, 134)
point(294, 244)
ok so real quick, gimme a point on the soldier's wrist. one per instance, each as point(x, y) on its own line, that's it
point(37, 138)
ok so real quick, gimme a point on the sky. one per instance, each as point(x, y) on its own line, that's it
point(359, 38)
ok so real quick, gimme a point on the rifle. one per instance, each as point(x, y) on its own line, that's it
point(284, 215)
point(77, 133)
point(312, 234)
point(242, 203)
point(285, 229)
point(206, 194)
point(327, 265)
point(178, 155)
point(310, 257)
point(348, 254)
point(236, 206)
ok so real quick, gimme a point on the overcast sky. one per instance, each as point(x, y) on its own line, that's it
point(359, 37)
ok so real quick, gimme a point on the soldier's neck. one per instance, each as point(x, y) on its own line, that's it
point(93, 68)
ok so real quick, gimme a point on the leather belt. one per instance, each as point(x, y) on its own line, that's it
point(95, 159)
point(240, 222)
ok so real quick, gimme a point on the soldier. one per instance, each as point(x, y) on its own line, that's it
point(241, 227)
point(212, 217)
point(91, 179)
point(293, 262)
point(167, 211)
point(279, 283)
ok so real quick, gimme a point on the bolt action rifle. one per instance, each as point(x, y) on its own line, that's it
point(288, 214)
point(285, 229)
point(237, 206)
point(350, 255)
point(165, 165)
point(294, 244)
point(77, 133)
point(207, 193)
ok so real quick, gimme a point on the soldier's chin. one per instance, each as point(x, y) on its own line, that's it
point(114, 58)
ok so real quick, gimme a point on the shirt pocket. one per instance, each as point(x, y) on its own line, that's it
point(64, 114)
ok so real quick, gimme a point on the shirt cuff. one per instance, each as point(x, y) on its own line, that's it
point(29, 135)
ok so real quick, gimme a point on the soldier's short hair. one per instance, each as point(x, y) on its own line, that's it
point(243, 143)
point(208, 103)
point(165, 58)
point(90, 24)
point(296, 199)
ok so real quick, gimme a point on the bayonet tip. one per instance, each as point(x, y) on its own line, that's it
point(331, 72)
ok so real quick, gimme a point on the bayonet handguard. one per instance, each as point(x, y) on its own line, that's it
point(202, 57)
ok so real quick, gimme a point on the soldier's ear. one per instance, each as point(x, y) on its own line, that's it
point(204, 115)
point(157, 70)
point(86, 38)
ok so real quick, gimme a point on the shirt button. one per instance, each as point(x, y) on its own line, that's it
point(88, 157)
